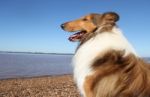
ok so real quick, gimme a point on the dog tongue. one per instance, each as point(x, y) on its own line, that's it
point(77, 36)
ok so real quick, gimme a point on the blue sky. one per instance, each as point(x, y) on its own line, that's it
point(34, 25)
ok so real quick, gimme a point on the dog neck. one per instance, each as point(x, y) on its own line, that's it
point(103, 32)
point(101, 42)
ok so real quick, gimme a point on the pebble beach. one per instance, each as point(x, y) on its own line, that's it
point(48, 86)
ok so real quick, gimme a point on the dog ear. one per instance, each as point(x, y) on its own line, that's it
point(110, 17)
point(106, 18)
point(106, 21)
point(109, 20)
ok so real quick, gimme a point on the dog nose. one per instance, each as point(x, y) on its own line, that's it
point(62, 26)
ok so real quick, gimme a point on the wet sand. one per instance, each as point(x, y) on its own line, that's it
point(52, 86)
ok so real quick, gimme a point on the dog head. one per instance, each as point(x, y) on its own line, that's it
point(87, 25)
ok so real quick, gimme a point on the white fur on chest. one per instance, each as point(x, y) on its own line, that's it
point(94, 47)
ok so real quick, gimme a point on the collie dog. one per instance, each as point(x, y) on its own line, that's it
point(105, 63)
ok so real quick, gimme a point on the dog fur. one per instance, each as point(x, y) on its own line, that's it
point(105, 63)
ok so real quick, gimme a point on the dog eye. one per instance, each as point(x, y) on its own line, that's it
point(84, 19)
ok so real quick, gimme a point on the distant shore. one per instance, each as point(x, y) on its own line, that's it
point(36, 53)
point(50, 86)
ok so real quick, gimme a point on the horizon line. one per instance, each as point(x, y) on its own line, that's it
point(31, 52)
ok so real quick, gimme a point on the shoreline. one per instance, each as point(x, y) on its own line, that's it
point(31, 77)
point(43, 86)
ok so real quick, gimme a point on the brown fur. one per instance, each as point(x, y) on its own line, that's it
point(118, 76)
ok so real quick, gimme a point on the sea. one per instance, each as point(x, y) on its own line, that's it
point(21, 65)
point(16, 65)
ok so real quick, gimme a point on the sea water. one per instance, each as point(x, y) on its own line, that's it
point(14, 65)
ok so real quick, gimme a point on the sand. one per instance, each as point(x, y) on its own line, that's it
point(53, 86)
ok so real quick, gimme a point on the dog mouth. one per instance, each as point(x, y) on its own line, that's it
point(77, 36)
